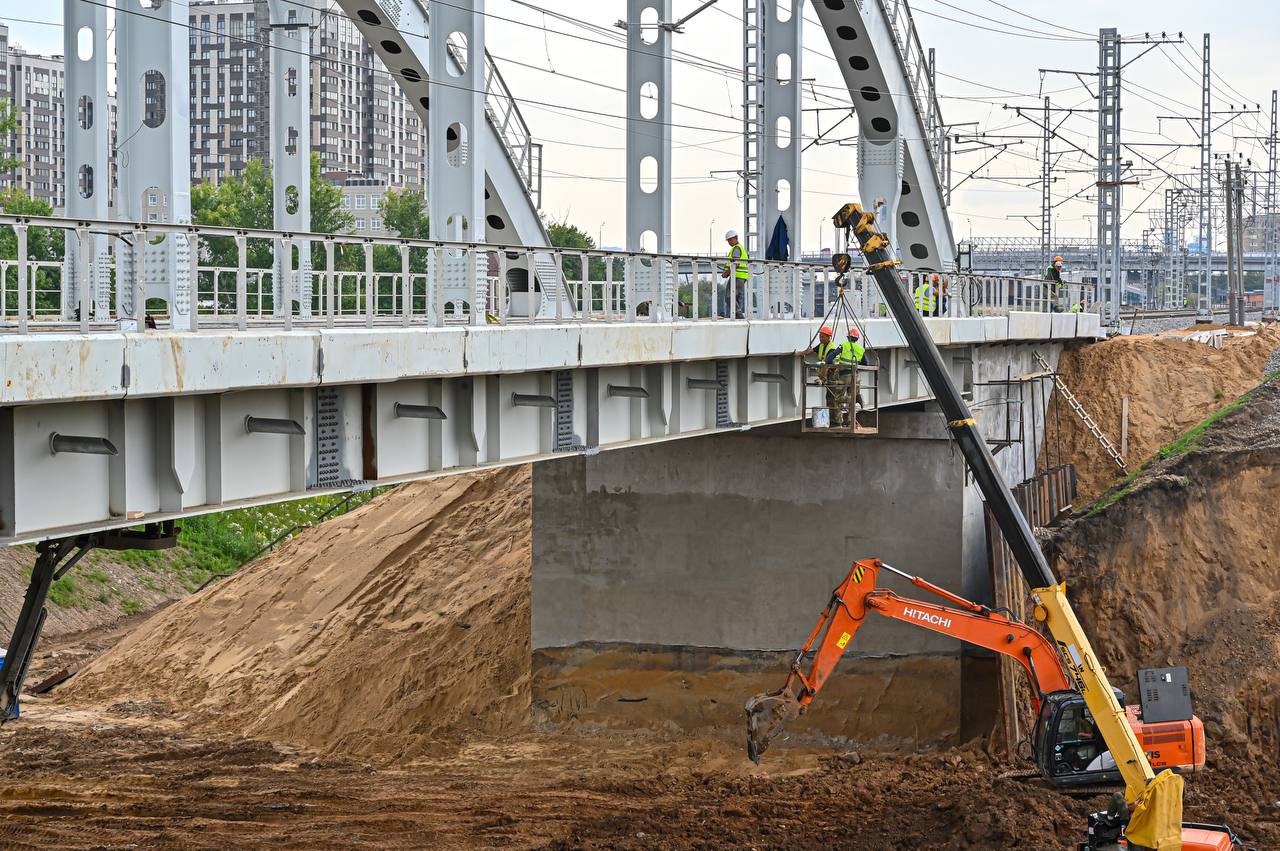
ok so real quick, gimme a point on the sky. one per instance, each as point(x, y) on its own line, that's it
point(561, 57)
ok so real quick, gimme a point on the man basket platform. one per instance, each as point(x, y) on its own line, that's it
point(841, 392)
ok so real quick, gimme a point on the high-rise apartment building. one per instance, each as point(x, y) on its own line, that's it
point(34, 84)
point(228, 90)
point(361, 126)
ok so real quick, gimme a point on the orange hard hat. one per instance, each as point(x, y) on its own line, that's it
point(935, 277)
point(853, 334)
point(1058, 259)
point(825, 329)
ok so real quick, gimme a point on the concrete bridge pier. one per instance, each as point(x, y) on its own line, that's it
point(671, 581)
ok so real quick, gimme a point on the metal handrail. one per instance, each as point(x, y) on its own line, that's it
point(439, 282)
point(924, 97)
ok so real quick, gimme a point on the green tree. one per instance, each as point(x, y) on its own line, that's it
point(245, 202)
point(10, 121)
point(564, 235)
point(404, 213)
point(43, 244)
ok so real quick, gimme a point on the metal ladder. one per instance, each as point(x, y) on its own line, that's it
point(752, 121)
point(1088, 421)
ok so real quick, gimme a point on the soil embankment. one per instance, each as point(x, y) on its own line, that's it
point(378, 634)
point(1184, 569)
point(1171, 385)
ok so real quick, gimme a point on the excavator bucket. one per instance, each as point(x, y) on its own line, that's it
point(767, 716)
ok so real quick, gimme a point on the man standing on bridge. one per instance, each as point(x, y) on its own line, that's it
point(1053, 274)
point(740, 272)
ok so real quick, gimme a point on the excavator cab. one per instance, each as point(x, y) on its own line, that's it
point(1069, 750)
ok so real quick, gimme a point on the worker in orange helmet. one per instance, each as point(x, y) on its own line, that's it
point(822, 351)
point(824, 345)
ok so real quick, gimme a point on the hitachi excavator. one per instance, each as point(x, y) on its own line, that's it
point(1067, 748)
point(1150, 816)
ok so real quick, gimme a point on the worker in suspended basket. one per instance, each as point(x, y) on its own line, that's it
point(820, 351)
point(842, 377)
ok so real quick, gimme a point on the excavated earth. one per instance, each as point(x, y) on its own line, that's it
point(1171, 385)
point(367, 686)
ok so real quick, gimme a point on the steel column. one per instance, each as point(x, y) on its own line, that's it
point(1110, 273)
point(291, 22)
point(1270, 287)
point(84, 46)
point(648, 136)
point(1046, 198)
point(153, 158)
point(753, 84)
point(1204, 301)
point(780, 146)
point(455, 188)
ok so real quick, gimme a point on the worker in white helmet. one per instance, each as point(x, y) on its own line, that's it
point(740, 272)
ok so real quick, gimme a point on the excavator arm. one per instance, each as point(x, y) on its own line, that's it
point(851, 602)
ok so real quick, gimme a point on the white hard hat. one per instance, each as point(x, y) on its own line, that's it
point(731, 234)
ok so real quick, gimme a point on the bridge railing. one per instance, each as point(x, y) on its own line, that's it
point(362, 280)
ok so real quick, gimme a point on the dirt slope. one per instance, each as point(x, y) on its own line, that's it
point(379, 634)
point(1171, 385)
point(102, 589)
point(1185, 570)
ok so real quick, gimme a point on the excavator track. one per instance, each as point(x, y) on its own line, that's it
point(1033, 776)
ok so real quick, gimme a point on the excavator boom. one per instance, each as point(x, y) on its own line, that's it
point(851, 602)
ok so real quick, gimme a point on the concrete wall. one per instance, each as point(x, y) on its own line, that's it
point(735, 541)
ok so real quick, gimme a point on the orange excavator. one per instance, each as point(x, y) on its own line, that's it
point(1068, 749)
point(1150, 813)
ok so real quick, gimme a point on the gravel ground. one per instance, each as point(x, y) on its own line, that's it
point(1273, 364)
point(1156, 326)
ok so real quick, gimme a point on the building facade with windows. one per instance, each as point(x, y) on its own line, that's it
point(362, 126)
point(362, 198)
point(35, 84)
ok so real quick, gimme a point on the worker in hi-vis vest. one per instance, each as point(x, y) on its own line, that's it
point(822, 352)
point(842, 377)
point(924, 298)
point(738, 267)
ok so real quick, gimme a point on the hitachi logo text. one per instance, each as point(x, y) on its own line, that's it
point(928, 617)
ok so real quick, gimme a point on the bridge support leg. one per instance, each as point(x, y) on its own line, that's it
point(53, 559)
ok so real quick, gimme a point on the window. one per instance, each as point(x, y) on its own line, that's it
point(360, 201)
point(375, 224)
point(359, 224)
point(346, 201)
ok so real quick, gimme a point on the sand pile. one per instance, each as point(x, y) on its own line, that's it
point(1171, 385)
point(1185, 570)
point(383, 633)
